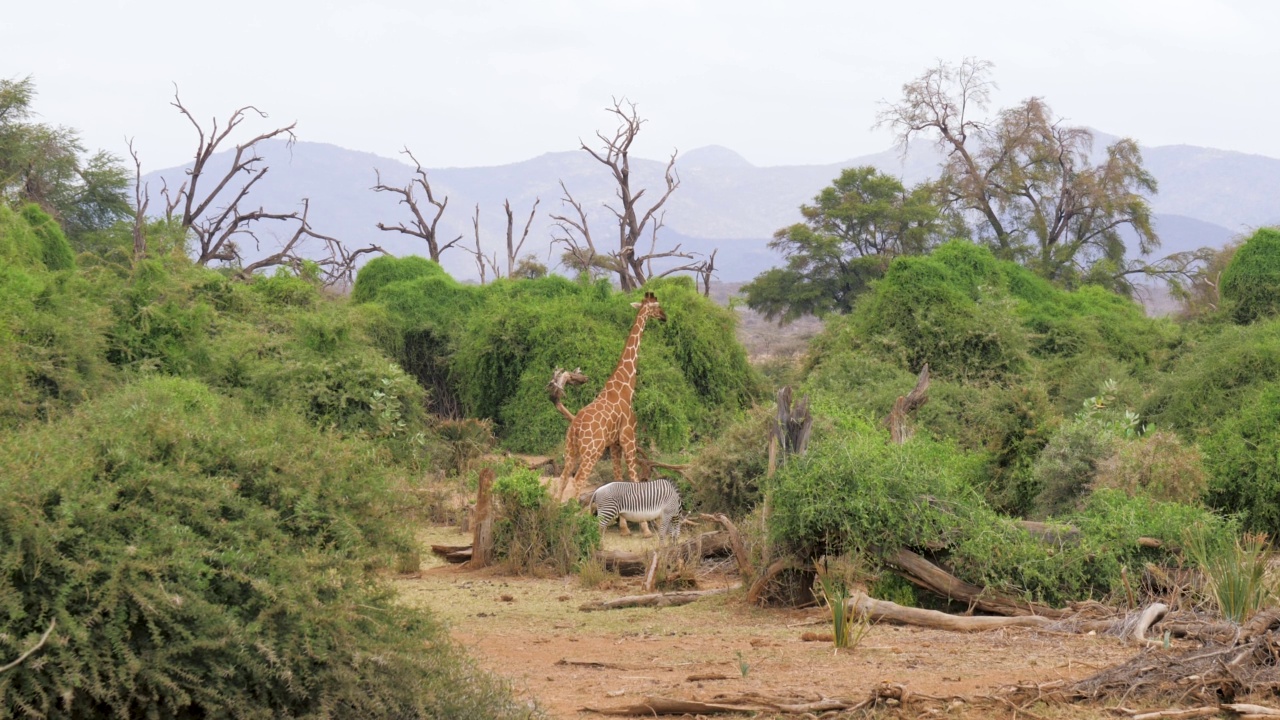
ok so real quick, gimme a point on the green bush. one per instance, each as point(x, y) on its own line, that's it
point(861, 491)
point(1158, 465)
point(532, 532)
point(727, 473)
point(1243, 459)
point(1213, 377)
point(1066, 468)
point(858, 493)
point(1251, 283)
point(385, 269)
point(203, 560)
point(488, 352)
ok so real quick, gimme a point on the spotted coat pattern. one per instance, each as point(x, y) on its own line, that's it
point(608, 421)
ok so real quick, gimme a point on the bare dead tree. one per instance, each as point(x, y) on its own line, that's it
point(513, 248)
point(421, 227)
point(706, 272)
point(216, 218)
point(484, 262)
point(339, 267)
point(632, 267)
point(141, 199)
point(575, 235)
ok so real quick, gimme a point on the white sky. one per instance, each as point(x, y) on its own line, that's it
point(479, 82)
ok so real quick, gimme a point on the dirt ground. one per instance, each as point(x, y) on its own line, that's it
point(530, 631)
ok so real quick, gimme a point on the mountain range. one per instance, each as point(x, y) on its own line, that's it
point(1206, 197)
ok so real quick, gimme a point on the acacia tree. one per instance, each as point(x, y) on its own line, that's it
point(852, 230)
point(420, 227)
point(49, 166)
point(1029, 176)
point(632, 264)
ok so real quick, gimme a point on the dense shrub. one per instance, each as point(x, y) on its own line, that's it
point(1158, 465)
point(384, 270)
point(1243, 459)
point(860, 494)
point(1251, 283)
point(202, 560)
point(51, 329)
point(1066, 468)
point(728, 472)
point(488, 351)
point(1214, 376)
point(532, 532)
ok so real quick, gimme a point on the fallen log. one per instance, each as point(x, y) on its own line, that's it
point(1177, 714)
point(933, 578)
point(452, 553)
point(1130, 627)
point(753, 703)
point(884, 610)
point(654, 600)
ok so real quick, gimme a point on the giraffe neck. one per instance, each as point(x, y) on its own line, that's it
point(623, 380)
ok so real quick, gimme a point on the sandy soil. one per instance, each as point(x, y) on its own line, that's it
point(531, 631)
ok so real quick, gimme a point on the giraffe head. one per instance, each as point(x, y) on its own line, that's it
point(649, 307)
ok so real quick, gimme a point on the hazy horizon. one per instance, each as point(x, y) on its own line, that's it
point(470, 84)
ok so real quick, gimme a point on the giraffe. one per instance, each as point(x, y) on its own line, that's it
point(608, 421)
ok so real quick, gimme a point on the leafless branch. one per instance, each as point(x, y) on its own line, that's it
point(31, 650)
point(421, 227)
point(141, 199)
point(215, 226)
point(513, 248)
point(633, 268)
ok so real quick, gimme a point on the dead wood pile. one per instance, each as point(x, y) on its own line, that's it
point(1222, 670)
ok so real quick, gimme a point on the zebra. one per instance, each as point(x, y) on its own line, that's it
point(637, 501)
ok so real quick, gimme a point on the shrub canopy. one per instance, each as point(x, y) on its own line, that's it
point(1251, 283)
point(488, 351)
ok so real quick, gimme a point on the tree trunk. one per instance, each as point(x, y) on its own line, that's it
point(482, 539)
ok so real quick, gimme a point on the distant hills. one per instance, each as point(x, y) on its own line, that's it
point(1206, 197)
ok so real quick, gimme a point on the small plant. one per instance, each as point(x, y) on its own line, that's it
point(467, 440)
point(833, 586)
point(744, 667)
point(1235, 575)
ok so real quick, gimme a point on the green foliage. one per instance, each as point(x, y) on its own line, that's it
point(728, 472)
point(1243, 459)
point(533, 533)
point(47, 165)
point(924, 311)
point(204, 560)
point(855, 226)
point(1251, 283)
point(1237, 574)
point(861, 492)
point(1068, 465)
point(489, 351)
point(1158, 465)
point(1066, 468)
point(51, 329)
point(1214, 376)
point(385, 269)
point(55, 252)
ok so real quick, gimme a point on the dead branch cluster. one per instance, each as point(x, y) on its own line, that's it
point(631, 262)
point(211, 207)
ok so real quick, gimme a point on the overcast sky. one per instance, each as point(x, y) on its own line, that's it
point(485, 83)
